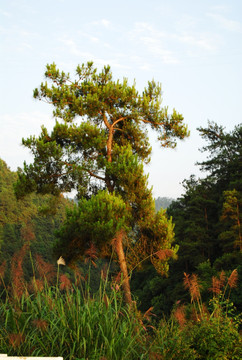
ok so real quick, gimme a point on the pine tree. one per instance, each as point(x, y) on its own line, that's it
point(231, 221)
point(98, 147)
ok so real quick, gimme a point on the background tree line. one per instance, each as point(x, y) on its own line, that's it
point(207, 221)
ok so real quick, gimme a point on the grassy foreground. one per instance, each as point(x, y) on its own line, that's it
point(67, 319)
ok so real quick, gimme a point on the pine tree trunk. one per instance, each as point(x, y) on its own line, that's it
point(118, 242)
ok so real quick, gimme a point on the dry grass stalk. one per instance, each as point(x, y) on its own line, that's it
point(222, 278)
point(15, 340)
point(45, 270)
point(191, 283)
point(104, 272)
point(61, 261)
point(216, 285)
point(91, 255)
point(37, 285)
point(17, 273)
point(27, 233)
point(147, 315)
point(40, 324)
point(233, 279)
point(65, 283)
point(180, 315)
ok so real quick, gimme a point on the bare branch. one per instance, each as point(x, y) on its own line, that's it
point(95, 175)
point(117, 121)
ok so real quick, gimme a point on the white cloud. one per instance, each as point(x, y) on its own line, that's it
point(23, 46)
point(88, 36)
point(74, 49)
point(94, 38)
point(186, 23)
point(142, 26)
point(103, 22)
point(114, 63)
point(202, 41)
point(154, 41)
point(155, 46)
point(107, 45)
point(225, 23)
point(5, 13)
point(17, 38)
point(145, 67)
point(220, 8)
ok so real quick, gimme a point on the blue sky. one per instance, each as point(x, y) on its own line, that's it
point(193, 48)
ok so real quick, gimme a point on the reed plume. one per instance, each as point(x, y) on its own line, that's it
point(180, 315)
point(15, 340)
point(40, 324)
point(46, 271)
point(191, 283)
point(91, 255)
point(233, 279)
point(17, 273)
point(65, 283)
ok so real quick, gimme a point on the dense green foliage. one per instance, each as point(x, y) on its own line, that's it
point(207, 221)
point(24, 222)
point(99, 121)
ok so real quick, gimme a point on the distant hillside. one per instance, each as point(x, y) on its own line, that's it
point(163, 202)
point(27, 223)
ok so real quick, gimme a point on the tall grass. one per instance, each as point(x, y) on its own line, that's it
point(60, 315)
point(67, 320)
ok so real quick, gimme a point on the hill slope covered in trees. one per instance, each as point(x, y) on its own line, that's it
point(26, 224)
point(207, 221)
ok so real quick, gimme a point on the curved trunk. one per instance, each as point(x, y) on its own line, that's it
point(118, 243)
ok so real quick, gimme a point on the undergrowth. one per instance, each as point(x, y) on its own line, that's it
point(68, 319)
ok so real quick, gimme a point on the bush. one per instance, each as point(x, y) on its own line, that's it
point(215, 339)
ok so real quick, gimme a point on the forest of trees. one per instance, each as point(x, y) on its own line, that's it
point(162, 253)
point(207, 221)
point(25, 223)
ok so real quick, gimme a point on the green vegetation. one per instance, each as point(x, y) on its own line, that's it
point(207, 229)
point(69, 320)
point(25, 222)
point(115, 298)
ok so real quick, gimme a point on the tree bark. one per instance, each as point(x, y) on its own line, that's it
point(118, 244)
point(109, 144)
